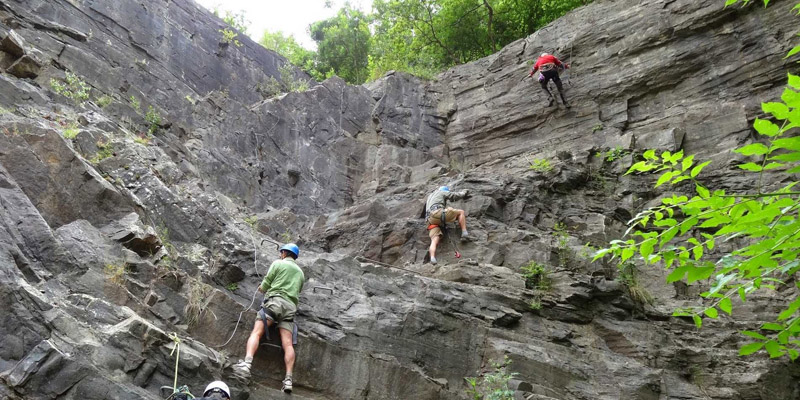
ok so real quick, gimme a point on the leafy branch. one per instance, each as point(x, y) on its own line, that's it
point(683, 232)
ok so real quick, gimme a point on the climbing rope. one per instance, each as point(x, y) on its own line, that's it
point(177, 346)
point(183, 390)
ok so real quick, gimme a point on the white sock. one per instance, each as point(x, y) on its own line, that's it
point(248, 360)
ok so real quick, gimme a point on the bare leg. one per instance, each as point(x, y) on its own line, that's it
point(288, 349)
point(462, 220)
point(255, 338)
point(434, 242)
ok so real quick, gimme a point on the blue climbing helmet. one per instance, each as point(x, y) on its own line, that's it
point(445, 188)
point(292, 248)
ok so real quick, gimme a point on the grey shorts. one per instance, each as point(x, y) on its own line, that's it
point(278, 310)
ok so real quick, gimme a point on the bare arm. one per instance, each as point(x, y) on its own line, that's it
point(456, 195)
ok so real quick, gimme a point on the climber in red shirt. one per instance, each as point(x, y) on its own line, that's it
point(548, 66)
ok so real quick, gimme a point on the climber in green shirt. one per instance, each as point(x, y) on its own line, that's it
point(282, 287)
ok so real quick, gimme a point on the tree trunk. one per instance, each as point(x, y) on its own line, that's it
point(489, 25)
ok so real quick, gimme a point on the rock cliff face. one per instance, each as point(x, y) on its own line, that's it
point(111, 239)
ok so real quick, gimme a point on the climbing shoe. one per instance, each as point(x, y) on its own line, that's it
point(465, 237)
point(242, 368)
point(433, 260)
point(287, 385)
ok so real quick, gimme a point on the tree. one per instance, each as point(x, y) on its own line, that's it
point(235, 20)
point(761, 228)
point(288, 47)
point(343, 44)
point(449, 32)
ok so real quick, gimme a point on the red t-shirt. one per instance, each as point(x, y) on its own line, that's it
point(548, 59)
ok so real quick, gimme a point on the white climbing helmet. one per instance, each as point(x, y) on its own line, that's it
point(220, 386)
point(544, 54)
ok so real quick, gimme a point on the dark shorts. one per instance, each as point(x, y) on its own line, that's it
point(280, 311)
point(550, 75)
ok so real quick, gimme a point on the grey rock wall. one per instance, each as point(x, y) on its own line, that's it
point(112, 239)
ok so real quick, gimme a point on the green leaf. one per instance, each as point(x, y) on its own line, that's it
point(666, 222)
point(696, 170)
point(641, 166)
point(711, 312)
point(600, 253)
point(750, 348)
point(699, 273)
point(793, 51)
point(725, 305)
point(774, 165)
point(673, 159)
point(646, 248)
point(627, 253)
point(783, 337)
point(766, 127)
point(697, 252)
point(698, 322)
point(792, 143)
point(753, 149)
point(787, 157)
point(771, 326)
point(702, 191)
point(751, 167)
point(754, 335)
point(774, 349)
point(668, 235)
point(677, 274)
point(689, 224)
point(665, 177)
point(650, 155)
point(687, 162)
point(742, 293)
point(778, 110)
point(794, 81)
point(730, 2)
point(793, 354)
point(790, 97)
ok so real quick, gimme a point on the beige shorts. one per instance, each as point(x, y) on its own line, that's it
point(450, 215)
point(279, 310)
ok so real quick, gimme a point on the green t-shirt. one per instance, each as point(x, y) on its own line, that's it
point(284, 279)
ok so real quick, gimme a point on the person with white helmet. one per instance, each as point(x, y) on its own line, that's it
point(548, 66)
point(216, 390)
point(437, 214)
point(282, 286)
